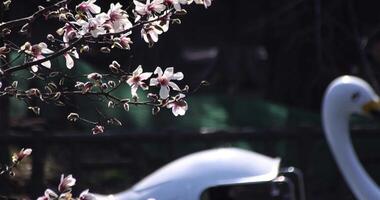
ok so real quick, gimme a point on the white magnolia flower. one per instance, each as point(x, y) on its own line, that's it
point(68, 32)
point(85, 195)
point(37, 52)
point(151, 31)
point(137, 79)
point(89, 7)
point(178, 106)
point(23, 153)
point(150, 34)
point(94, 25)
point(149, 8)
point(66, 183)
point(117, 19)
point(125, 41)
point(164, 80)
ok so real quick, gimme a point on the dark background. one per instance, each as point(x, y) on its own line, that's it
point(267, 62)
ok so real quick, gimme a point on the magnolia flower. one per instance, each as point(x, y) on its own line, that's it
point(69, 60)
point(178, 106)
point(89, 7)
point(117, 19)
point(150, 34)
point(85, 195)
point(125, 41)
point(48, 195)
point(156, 6)
point(36, 51)
point(68, 32)
point(164, 80)
point(137, 79)
point(98, 129)
point(66, 183)
point(94, 26)
point(23, 153)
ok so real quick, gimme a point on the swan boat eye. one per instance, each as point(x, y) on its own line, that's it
point(355, 96)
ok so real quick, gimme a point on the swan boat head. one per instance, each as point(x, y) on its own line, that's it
point(345, 96)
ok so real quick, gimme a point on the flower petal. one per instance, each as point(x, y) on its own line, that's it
point(34, 68)
point(137, 71)
point(46, 64)
point(153, 82)
point(69, 61)
point(174, 86)
point(169, 72)
point(164, 92)
point(158, 71)
point(178, 76)
point(145, 75)
point(134, 90)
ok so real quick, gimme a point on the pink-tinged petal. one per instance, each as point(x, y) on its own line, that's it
point(145, 75)
point(34, 68)
point(170, 105)
point(69, 61)
point(181, 111)
point(175, 110)
point(137, 71)
point(134, 90)
point(158, 71)
point(169, 72)
point(178, 76)
point(94, 9)
point(50, 194)
point(66, 183)
point(153, 82)
point(177, 6)
point(174, 86)
point(130, 81)
point(159, 8)
point(164, 92)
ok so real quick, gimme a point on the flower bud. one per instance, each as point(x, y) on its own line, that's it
point(50, 37)
point(73, 117)
point(116, 64)
point(111, 104)
point(111, 83)
point(94, 76)
point(114, 69)
point(155, 110)
point(126, 106)
point(104, 86)
point(105, 50)
point(98, 129)
point(85, 48)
